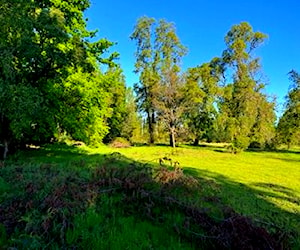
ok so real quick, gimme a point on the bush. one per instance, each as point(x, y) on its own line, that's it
point(120, 142)
point(255, 145)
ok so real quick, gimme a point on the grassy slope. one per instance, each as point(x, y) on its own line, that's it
point(262, 185)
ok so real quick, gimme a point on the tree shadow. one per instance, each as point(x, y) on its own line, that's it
point(276, 188)
point(272, 190)
point(213, 147)
point(287, 159)
point(280, 151)
point(255, 203)
point(222, 151)
point(56, 154)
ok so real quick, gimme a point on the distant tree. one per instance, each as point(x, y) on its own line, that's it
point(288, 129)
point(131, 129)
point(263, 130)
point(170, 101)
point(157, 60)
point(239, 105)
point(145, 66)
point(171, 104)
point(202, 89)
point(115, 84)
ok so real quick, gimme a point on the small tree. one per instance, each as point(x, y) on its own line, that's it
point(171, 104)
point(131, 129)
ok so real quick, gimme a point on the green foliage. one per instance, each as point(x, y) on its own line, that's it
point(288, 129)
point(84, 109)
point(117, 89)
point(145, 65)
point(120, 142)
point(159, 52)
point(202, 90)
point(246, 111)
point(263, 130)
point(52, 87)
point(132, 126)
point(50, 80)
point(3, 236)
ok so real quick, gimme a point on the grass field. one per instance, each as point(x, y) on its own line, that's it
point(271, 176)
point(264, 186)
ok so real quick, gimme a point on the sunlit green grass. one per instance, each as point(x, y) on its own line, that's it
point(262, 185)
point(250, 168)
point(273, 176)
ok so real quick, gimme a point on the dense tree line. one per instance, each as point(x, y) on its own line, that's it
point(54, 82)
point(50, 78)
point(222, 100)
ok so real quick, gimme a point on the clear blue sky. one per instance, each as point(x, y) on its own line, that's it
point(202, 25)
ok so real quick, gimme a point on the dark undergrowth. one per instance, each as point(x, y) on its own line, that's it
point(61, 198)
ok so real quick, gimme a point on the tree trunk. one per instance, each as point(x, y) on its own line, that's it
point(196, 142)
point(172, 136)
point(4, 135)
point(5, 149)
point(150, 126)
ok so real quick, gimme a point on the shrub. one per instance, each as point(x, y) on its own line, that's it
point(255, 145)
point(120, 142)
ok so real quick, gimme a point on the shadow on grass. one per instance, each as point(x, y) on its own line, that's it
point(282, 151)
point(219, 148)
point(252, 202)
point(58, 153)
point(286, 159)
point(222, 151)
point(276, 188)
point(216, 188)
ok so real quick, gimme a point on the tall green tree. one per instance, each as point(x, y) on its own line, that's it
point(202, 90)
point(170, 101)
point(49, 69)
point(263, 130)
point(115, 83)
point(171, 104)
point(83, 106)
point(239, 103)
point(158, 57)
point(145, 66)
point(288, 129)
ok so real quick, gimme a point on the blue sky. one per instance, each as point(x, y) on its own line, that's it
point(202, 26)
